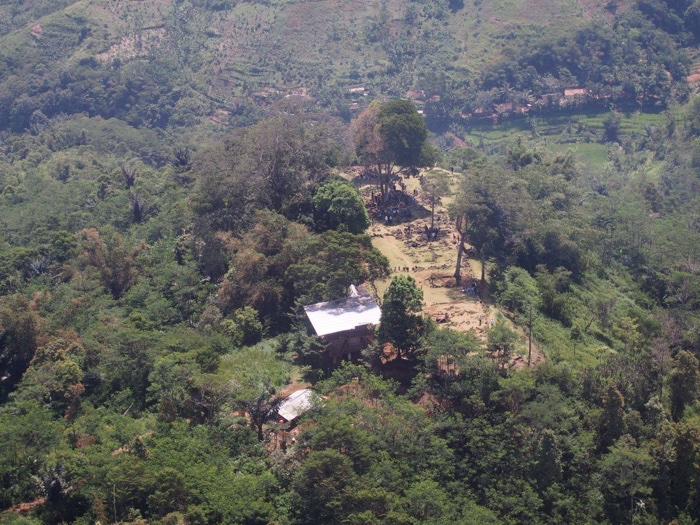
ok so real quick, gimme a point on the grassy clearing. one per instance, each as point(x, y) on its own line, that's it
point(557, 345)
point(593, 157)
point(574, 128)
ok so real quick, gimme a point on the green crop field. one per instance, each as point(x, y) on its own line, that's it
point(581, 133)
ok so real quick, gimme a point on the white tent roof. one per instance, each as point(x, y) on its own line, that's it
point(296, 404)
point(344, 314)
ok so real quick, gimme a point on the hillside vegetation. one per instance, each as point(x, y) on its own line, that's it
point(172, 64)
point(178, 179)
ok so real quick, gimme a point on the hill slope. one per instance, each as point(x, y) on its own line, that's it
point(172, 59)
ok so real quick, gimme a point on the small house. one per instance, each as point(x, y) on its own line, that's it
point(346, 326)
point(415, 95)
point(505, 108)
point(295, 405)
point(575, 91)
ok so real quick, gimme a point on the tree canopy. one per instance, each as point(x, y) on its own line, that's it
point(338, 206)
point(179, 179)
point(401, 325)
point(391, 138)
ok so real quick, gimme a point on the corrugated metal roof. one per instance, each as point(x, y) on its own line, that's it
point(296, 404)
point(344, 314)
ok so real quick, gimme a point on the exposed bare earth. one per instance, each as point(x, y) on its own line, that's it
point(694, 76)
point(432, 265)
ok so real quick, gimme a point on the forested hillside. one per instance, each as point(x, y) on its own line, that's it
point(179, 179)
point(173, 64)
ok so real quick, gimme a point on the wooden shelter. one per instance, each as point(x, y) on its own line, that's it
point(346, 326)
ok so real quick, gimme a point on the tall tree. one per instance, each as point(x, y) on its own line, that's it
point(685, 383)
point(435, 185)
point(626, 475)
point(265, 165)
point(459, 215)
point(612, 423)
point(547, 468)
point(390, 139)
point(400, 323)
point(487, 211)
point(18, 343)
point(685, 466)
point(321, 487)
point(115, 262)
point(255, 376)
point(338, 206)
point(503, 342)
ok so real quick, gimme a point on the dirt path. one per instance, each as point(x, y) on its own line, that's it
point(432, 263)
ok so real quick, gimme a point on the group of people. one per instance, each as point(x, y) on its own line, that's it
point(366, 176)
point(473, 289)
point(396, 207)
point(432, 233)
point(481, 319)
point(392, 215)
point(393, 197)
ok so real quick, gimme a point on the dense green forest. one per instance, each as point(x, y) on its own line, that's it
point(178, 179)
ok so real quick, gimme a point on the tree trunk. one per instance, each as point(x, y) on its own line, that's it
point(380, 186)
point(459, 226)
point(460, 253)
point(483, 267)
point(432, 214)
point(383, 180)
point(383, 187)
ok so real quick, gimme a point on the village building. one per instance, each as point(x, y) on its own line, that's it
point(415, 95)
point(505, 108)
point(265, 93)
point(295, 405)
point(481, 113)
point(575, 91)
point(346, 326)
